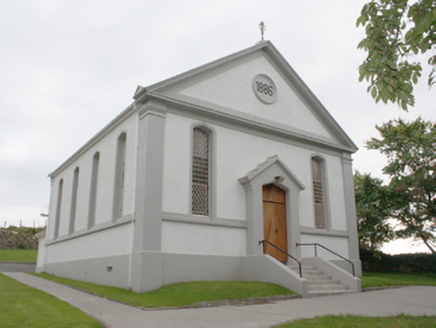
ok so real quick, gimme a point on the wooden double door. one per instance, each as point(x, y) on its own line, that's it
point(274, 221)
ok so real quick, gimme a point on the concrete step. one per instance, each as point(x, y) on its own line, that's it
point(295, 267)
point(315, 275)
point(323, 282)
point(308, 271)
point(318, 293)
point(327, 287)
point(320, 284)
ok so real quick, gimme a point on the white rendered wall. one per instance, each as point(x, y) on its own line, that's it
point(336, 244)
point(106, 178)
point(176, 184)
point(237, 153)
point(335, 191)
point(110, 242)
point(233, 89)
point(186, 238)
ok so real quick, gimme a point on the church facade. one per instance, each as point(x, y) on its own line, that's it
point(185, 183)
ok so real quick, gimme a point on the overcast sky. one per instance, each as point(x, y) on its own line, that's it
point(67, 68)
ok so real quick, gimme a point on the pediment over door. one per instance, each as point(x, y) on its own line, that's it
point(272, 171)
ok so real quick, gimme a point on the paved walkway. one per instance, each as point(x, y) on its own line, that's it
point(416, 300)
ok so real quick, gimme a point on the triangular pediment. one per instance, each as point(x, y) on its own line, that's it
point(255, 85)
point(271, 161)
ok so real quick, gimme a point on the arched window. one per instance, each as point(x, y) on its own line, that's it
point(119, 177)
point(318, 192)
point(93, 191)
point(200, 172)
point(58, 210)
point(74, 201)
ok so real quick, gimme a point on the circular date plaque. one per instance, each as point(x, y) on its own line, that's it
point(264, 89)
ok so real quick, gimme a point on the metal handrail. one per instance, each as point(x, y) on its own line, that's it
point(289, 255)
point(316, 254)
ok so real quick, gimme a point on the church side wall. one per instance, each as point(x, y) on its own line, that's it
point(98, 252)
point(106, 147)
point(105, 243)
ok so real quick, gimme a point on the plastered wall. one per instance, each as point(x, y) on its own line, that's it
point(105, 185)
point(189, 238)
point(237, 153)
point(233, 89)
point(106, 243)
point(336, 244)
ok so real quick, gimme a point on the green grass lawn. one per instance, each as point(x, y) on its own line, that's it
point(186, 294)
point(24, 306)
point(401, 321)
point(18, 255)
point(182, 294)
point(376, 279)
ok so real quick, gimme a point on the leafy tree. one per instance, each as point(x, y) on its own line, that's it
point(374, 204)
point(395, 30)
point(411, 151)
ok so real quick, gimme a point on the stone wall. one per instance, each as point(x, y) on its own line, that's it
point(11, 239)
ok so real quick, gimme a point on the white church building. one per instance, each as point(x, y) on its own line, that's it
point(186, 183)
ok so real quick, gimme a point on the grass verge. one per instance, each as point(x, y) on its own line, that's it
point(182, 294)
point(377, 279)
point(18, 255)
point(401, 321)
point(24, 306)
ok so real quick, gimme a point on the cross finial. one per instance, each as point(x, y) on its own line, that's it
point(262, 28)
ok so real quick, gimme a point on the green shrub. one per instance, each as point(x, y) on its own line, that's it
point(402, 263)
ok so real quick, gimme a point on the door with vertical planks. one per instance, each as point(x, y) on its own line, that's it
point(274, 221)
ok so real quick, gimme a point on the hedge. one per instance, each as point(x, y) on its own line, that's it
point(404, 263)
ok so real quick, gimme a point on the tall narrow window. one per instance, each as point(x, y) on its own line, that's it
point(119, 177)
point(74, 201)
point(318, 193)
point(93, 191)
point(200, 172)
point(58, 210)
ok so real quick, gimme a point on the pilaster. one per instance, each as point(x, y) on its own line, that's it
point(350, 208)
point(148, 199)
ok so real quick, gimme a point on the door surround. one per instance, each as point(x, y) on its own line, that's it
point(272, 171)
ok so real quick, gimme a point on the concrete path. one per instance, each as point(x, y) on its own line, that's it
point(416, 300)
point(17, 267)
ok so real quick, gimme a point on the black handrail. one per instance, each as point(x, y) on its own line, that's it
point(316, 254)
point(289, 255)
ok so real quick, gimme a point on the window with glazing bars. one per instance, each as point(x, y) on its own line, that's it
point(200, 172)
point(318, 194)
